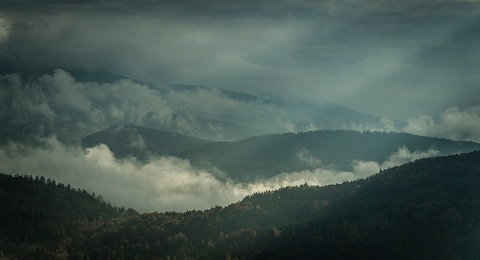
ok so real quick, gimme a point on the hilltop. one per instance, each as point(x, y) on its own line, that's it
point(425, 209)
point(140, 142)
point(266, 156)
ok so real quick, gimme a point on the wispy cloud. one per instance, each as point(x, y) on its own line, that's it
point(401, 156)
point(72, 109)
point(163, 184)
point(454, 123)
point(327, 174)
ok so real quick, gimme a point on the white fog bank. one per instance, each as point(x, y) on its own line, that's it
point(164, 183)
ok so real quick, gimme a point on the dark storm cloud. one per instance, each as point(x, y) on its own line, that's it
point(375, 57)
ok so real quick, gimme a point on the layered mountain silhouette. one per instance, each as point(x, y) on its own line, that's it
point(269, 155)
point(427, 209)
point(296, 115)
point(232, 116)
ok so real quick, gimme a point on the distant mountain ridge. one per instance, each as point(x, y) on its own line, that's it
point(238, 96)
point(300, 115)
point(133, 140)
point(194, 110)
point(270, 155)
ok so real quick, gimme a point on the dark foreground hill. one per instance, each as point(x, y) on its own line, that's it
point(428, 209)
point(39, 216)
point(265, 156)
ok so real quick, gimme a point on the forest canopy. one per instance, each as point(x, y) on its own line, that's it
point(425, 209)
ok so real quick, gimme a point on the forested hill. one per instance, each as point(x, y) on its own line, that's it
point(133, 140)
point(259, 157)
point(39, 216)
point(428, 209)
point(269, 155)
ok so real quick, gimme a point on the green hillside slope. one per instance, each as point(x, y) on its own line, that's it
point(428, 209)
point(266, 156)
point(140, 142)
point(260, 157)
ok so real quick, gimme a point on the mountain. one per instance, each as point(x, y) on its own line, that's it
point(209, 129)
point(269, 155)
point(292, 115)
point(238, 96)
point(322, 114)
point(71, 104)
point(39, 215)
point(276, 115)
point(427, 209)
point(140, 142)
point(266, 156)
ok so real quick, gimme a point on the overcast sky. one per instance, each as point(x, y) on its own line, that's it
point(395, 59)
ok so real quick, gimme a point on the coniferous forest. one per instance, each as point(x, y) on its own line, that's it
point(427, 209)
point(269, 155)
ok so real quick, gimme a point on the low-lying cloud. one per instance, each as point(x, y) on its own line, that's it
point(454, 123)
point(71, 109)
point(56, 103)
point(401, 156)
point(326, 175)
point(163, 183)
